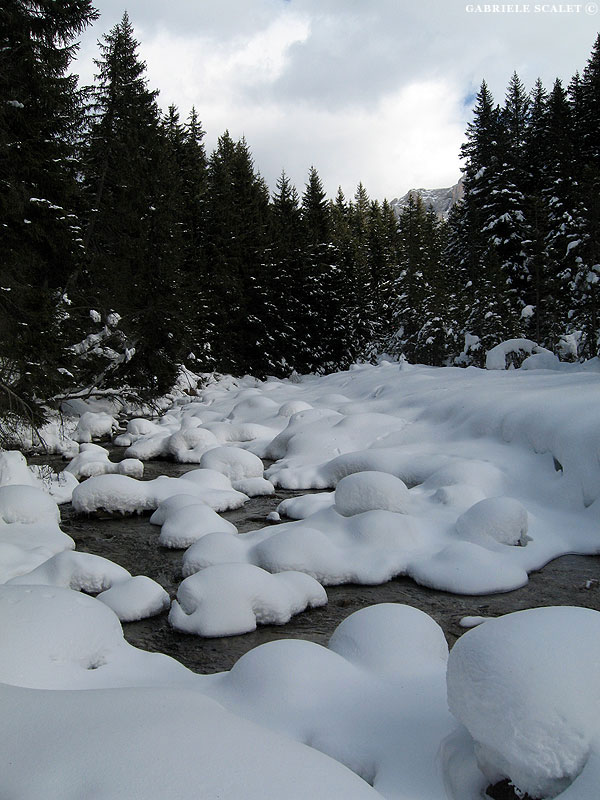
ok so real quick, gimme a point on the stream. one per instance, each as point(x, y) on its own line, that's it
point(132, 542)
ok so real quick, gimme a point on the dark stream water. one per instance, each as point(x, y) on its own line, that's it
point(132, 542)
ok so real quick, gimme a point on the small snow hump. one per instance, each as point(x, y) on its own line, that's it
point(370, 491)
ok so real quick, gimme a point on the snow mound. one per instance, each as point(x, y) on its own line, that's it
point(230, 599)
point(254, 487)
point(94, 460)
point(494, 519)
point(368, 491)
point(384, 640)
point(305, 505)
point(119, 493)
point(208, 478)
point(135, 598)
point(73, 570)
point(185, 525)
point(14, 469)
point(189, 444)
point(27, 505)
point(55, 638)
point(94, 425)
point(172, 504)
point(186, 746)
point(113, 493)
point(25, 547)
point(375, 699)
point(235, 463)
point(496, 357)
point(212, 549)
point(533, 719)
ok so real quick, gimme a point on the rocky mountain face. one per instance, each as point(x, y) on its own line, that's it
point(442, 200)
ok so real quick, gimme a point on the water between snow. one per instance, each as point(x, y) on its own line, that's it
point(132, 542)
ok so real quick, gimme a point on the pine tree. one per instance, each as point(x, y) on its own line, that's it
point(322, 285)
point(40, 234)
point(236, 242)
point(133, 236)
point(289, 322)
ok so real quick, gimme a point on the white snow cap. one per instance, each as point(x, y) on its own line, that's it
point(235, 463)
point(527, 688)
point(229, 599)
point(495, 519)
point(368, 491)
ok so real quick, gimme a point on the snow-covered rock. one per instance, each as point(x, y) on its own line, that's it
point(495, 519)
point(135, 598)
point(527, 688)
point(26, 504)
point(233, 598)
point(185, 525)
point(94, 425)
point(368, 491)
point(73, 570)
point(235, 463)
point(125, 495)
point(14, 469)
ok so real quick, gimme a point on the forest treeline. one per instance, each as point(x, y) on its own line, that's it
point(127, 249)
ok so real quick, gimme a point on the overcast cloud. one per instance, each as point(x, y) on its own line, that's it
point(377, 91)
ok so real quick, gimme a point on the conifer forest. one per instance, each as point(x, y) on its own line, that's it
point(128, 249)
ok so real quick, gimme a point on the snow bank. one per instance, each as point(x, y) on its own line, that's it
point(55, 638)
point(533, 719)
point(185, 743)
point(375, 699)
point(233, 598)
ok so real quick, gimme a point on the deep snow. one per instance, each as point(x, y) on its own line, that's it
point(463, 479)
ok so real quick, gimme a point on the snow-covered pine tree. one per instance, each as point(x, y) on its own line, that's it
point(236, 241)
point(286, 268)
point(586, 280)
point(40, 235)
point(133, 242)
point(322, 285)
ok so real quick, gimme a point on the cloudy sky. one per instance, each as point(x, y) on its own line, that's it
point(377, 91)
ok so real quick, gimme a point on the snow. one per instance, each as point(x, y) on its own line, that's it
point(185, 743)
point(496, 357)
point(233, 462)
point(369, 491)
point(73, 570)
point(26, 504)
point(14, 469)
point(94, 425)
point(136, 598)
point(120, 493)
point(499, 519)
point(231, 599)
point(93, 459)
point(532, 719)
point(465, 480)
point(185, 525)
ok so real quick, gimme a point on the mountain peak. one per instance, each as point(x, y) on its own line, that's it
point(442, 200)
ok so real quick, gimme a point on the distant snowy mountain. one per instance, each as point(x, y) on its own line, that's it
point(442, 200)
